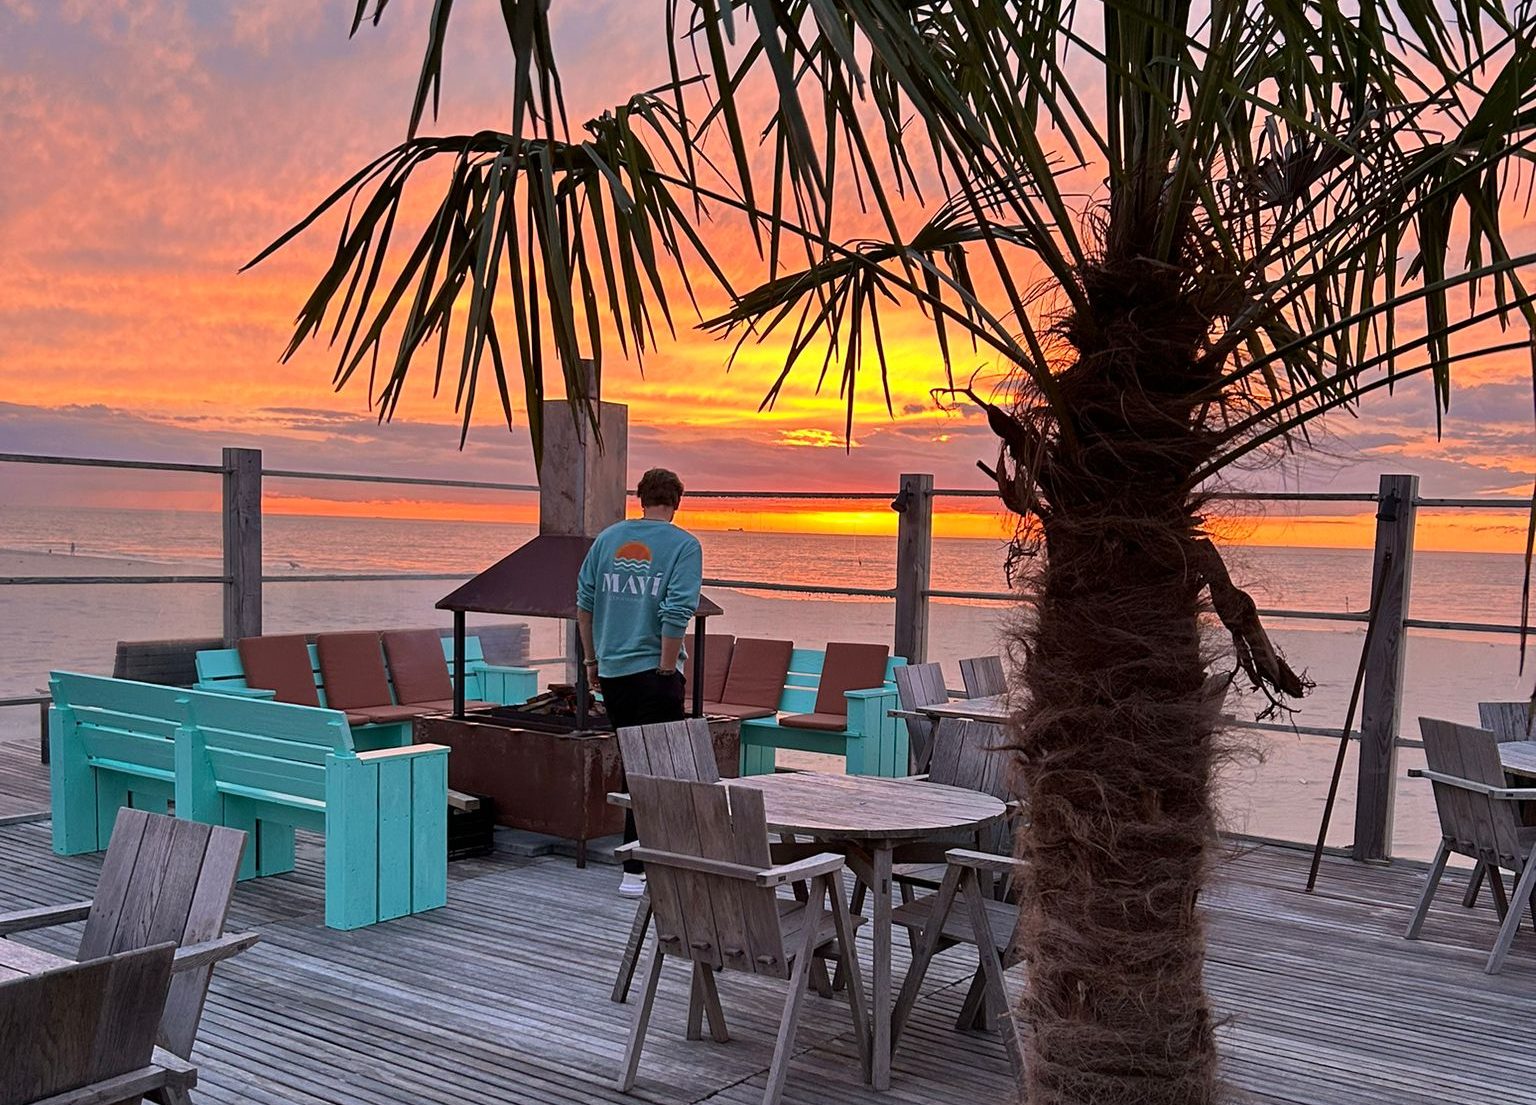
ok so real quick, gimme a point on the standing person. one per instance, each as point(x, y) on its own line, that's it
point(637, 592)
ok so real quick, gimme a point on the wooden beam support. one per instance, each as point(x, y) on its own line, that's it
point(1382, 697)
point(914, 560)
point(242, 544)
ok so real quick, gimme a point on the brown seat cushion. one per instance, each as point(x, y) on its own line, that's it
point(416, 665)
point(831, 723)
point(280, 664)
point(717, 662)
point(737, 710)
point(352, 669)
point(848, 667)
point(357, 717)
point(445, 705)
point(757, 673)
point(389, 715)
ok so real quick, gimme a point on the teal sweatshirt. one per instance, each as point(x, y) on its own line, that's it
point(641, 582)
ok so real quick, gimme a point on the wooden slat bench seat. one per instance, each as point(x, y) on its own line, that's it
point(825, 707)
point(265, 767)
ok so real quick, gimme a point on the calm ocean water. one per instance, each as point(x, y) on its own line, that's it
point(1276, 792)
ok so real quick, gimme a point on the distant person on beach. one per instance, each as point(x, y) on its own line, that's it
point(636, 593)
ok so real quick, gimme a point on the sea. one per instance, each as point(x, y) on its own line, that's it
point(1274, 788)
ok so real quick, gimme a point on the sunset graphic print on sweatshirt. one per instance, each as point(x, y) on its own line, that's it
point(640, 580)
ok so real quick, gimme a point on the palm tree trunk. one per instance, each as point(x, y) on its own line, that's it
point(1118, 745)
point(1118, 736)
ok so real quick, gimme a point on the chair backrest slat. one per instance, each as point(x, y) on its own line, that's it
point(983, 676)
point(206, 915)
point(164, 879)
point(80, 1024)
point(920, 685)
point(1479, 826)
point(705, 917)
point(670, 750)
point(1508, 721)
point(974, 755)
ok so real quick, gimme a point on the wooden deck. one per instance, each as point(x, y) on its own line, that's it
point(23, 777)
point(503, 996)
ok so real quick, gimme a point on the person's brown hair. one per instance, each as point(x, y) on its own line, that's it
point(660, 487)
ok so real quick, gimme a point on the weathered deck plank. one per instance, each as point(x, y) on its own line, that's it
point(503, 996)
point(23, 777)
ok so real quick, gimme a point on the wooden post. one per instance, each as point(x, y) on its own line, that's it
point(242, 544)
point(914, 557)
point(1382, 696)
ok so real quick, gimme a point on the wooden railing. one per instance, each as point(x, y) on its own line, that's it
point(1396, 499)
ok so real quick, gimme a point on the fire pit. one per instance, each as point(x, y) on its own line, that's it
point(544, 775)
point(554, 711)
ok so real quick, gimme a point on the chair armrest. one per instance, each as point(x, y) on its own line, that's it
point(236, 692)
point(130, 1086)
point(25, 920)
point(823, 863)
point(408, 750)
point(500, 669)
point(619, 798)
point(211, 951)
point(1502, 794)
point(179, 1072)
point(984, 861)
point(868, 693)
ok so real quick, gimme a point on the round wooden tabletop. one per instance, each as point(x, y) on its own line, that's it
point(868, 807)
point(1519, 757)
point(992, 707)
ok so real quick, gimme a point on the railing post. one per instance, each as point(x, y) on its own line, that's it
point(1382, 696)
point(242, 544)
point(914, 559)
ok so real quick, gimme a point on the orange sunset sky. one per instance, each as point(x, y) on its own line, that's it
point(153, 146)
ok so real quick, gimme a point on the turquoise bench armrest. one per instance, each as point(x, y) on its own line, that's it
point(872, 692)
point(237, 692)
point(507, 685)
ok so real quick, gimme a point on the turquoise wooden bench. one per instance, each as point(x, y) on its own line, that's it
point(265, 767)
point(874, 743)
point(220, 670)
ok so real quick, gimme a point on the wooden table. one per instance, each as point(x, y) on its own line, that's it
point(18, 960)
point(992, 707)
point(1518, 757)
point(869, 818)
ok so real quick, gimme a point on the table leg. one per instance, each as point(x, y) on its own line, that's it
point(880, 892)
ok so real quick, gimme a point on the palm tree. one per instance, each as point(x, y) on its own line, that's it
point(1186, 231)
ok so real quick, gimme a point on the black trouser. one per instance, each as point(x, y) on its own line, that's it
point(645, 698)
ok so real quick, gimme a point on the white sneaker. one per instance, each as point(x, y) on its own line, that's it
point(632, 886)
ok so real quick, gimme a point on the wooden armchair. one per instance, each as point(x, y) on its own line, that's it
point(971, 755)
point(986, 924)
point(1478, 819)
point(715, 893)
point(163, 879)
point(1507, 721)
point(670, 750)
point(84, 1034)
point(919, 685)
